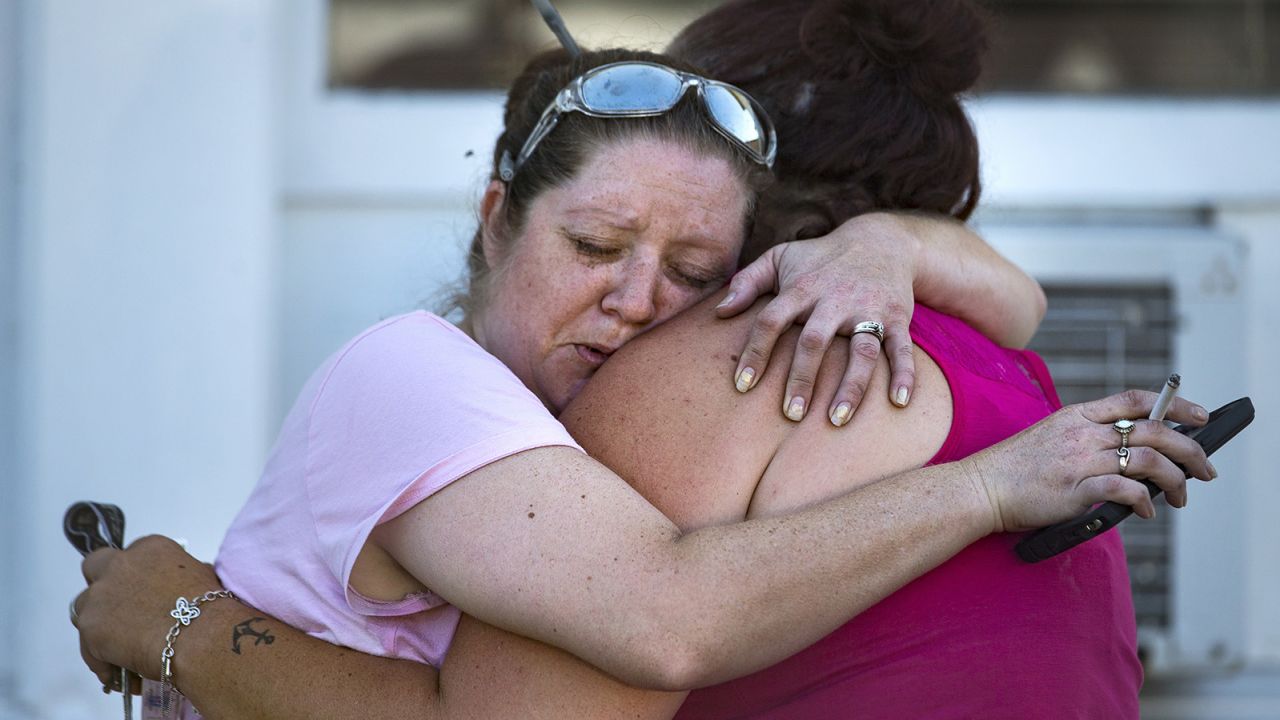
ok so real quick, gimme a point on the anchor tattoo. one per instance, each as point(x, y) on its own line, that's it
point(246, 629)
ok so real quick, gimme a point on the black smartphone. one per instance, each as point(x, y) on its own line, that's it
point(1224, 423)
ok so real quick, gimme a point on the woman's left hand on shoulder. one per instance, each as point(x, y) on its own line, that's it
point(861, 272)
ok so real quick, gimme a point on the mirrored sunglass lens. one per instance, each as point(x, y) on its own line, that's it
point(631, 88)
point(732, 111)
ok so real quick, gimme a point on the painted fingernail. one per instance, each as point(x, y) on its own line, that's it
point(1213, 471)
point(744, 381)
point(840, 415)
point(1199, 413)
point(795, 409)
point(901, 397)
point(727, 299)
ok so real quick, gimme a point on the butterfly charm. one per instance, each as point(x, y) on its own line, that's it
point(184, 612)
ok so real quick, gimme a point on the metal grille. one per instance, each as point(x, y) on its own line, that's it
point(1098, 340)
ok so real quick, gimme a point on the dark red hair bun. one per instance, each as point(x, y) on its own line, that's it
point(865, 94)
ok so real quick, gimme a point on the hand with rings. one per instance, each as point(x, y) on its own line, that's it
point(1090, 453)
point(852, 282)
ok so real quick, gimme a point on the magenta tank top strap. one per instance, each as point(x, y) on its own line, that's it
point(1042, 376)
point(995, 391)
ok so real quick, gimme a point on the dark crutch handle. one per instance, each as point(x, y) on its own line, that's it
point(92, 526)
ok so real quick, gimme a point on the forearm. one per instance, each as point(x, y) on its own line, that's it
point(869, 543)
point(490, 673)
point(615, 583)
point(958, 273)
point(234, 661)
point(280, 673)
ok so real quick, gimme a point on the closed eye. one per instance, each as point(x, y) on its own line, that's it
point(696, 278)
point(591, 248)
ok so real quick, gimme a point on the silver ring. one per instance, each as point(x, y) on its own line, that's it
point(1124, 458)
point(1124, 427)
point(870, 327)
point(75, 616)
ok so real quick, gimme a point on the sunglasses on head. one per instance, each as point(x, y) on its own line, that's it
point(644, 89)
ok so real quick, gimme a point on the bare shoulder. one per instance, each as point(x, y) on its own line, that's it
point(817, 461)
point(664, 415)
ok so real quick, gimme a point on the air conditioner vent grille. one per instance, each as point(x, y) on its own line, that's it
point(1098, 340)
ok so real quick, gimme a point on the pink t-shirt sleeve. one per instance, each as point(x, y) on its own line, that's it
point(405, 409)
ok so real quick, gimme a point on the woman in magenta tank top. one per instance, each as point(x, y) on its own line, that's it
point(983, 635)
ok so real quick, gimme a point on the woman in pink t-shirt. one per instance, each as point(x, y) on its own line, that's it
point(420, 472)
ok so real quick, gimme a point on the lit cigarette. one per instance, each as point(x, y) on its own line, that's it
point(1167, 394)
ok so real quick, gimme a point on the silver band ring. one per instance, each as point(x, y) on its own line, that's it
point(75, 616)
point(1124, 427)
point(1124, 459)
point(870, 327)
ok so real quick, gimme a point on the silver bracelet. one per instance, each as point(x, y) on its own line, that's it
point(184, 611)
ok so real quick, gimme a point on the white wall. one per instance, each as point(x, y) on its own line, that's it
point(10, 485)
point(1260, 345)
point(1076, 152)
point(145, 365)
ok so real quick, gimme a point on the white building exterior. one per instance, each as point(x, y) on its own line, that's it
point(190, 221)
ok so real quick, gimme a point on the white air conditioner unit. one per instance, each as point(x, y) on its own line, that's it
point(1134, 296)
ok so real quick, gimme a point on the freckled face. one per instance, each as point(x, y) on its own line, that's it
point(645, 229)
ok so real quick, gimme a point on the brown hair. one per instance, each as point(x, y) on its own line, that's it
point(562, 153)
point(864, 94)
